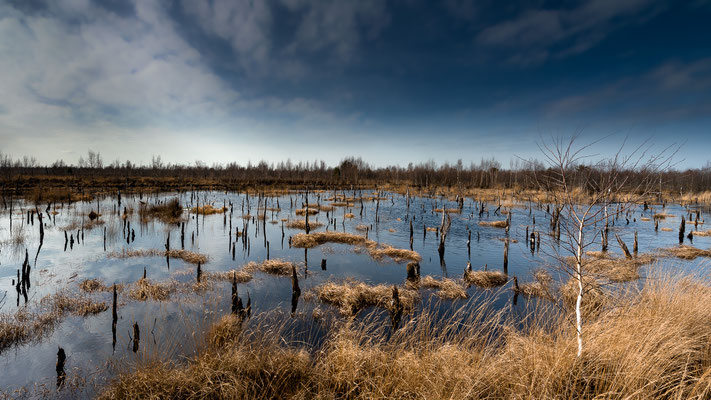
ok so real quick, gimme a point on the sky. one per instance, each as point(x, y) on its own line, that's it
point(390, 81)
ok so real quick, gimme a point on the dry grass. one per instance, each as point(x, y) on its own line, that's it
point(310, 240)
point(341, 204)
point(168, 212)
point(274, 267)
point(241, 275)
point(495, 224)
point(311, 210)
point(78, 222)
point(486, 279)
point(615, 269)
point(594, 300)
point(185, 255)
point(40, 195)
point(349, 215)
point(143, 290)
point(25, 326)
point(653, 344)
point(540, 287)
point(225, 331)
point(645, 219)
point(688, 252)
point(448, 210)
point(208, 209)
point(362, 227)
point(446, 288)
point(666, 229)
point(77, 305)
point(96, 285)
point(399, 255)
point(351, 296)
point(301, 224)
point(663, 216)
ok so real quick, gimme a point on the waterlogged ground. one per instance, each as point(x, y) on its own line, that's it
point(171, 328)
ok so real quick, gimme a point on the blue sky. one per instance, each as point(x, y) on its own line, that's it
point(390, 81)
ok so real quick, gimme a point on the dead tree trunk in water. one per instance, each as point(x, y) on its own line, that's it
point(623, 246)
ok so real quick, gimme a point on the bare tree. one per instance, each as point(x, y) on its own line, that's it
point(583, 196)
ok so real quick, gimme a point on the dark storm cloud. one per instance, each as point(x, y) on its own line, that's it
point(409, 71)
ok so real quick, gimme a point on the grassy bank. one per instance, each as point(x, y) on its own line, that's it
point(649, 342)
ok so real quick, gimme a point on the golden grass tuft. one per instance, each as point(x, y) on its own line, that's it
point(185, 255)
point(168, 212)
point(665, 229)
point(351, 296)
point(349, 215)
point(311, 210)
point(702, 233)
point(245, 367)
point(446, 288)
point(486, 279)
point(341, 204)
point(77, 305)
point(399, 255)
point(688, 252)
point(96, 285)
point(653, 344)
point(301, 224)
point(663, 216)
point(25, 326)
point(594, 297)
point(208, 209)
point(540, 287)
point(448, 210)
point(273, 266)
point(362, 227)
point(240, 275)
point(143, 290)
point(495, 224)
point(225, 331)
point(303, 240)
point(615, 269)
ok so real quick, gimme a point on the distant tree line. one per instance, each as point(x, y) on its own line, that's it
point(351, 171)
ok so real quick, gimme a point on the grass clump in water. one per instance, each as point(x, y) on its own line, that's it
point(310, 240)
point(25, 326)
point(143, 290)
point(301, 224)
point(303, 240)
point(688, 252)
point(185, 255)
point(168, 212)
point(208, 209)
point(446, 288)
point(486, 279)
point(274, 267)
point(495, 224)
point(240, 275)
point(311, 211)
point(351, 296)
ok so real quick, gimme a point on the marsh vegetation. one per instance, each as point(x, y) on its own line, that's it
point(379, 291)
